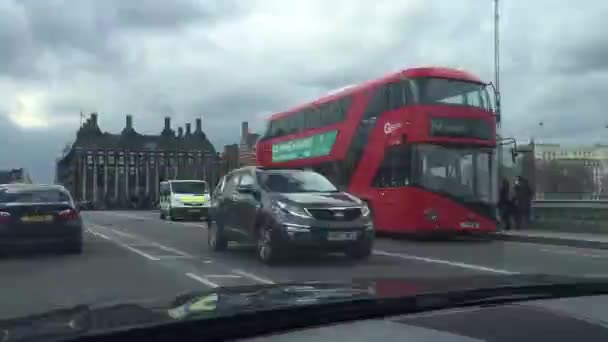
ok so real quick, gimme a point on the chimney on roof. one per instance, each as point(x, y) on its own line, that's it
point(129, 122)
point(167, 123)
point(188, 129)
point(199, 125)
point(180, 132)
point(244, 129)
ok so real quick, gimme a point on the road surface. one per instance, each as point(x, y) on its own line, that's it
point(131, 256)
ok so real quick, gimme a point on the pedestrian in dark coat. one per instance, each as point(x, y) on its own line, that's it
point(505, 205)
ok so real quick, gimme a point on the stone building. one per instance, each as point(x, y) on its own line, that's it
point(124, 170)
point(247, 146)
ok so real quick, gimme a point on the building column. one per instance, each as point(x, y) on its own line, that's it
point(156, 180)
point(116, 175)
point(127, 174)
point(136, 185)
point(84, 176)
point(95, 177)
point(105, 176)
point(148, 175)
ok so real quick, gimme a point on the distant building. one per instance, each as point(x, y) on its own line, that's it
point(247, 146)
point(230, 158)
point(592, 157)
point(15, 176)
point(120, 170)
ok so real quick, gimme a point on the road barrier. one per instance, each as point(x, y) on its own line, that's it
point(589, 216)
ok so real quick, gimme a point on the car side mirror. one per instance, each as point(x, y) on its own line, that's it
point(248, 189)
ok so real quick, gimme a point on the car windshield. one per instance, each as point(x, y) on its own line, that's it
point(34, 196)
point(295, 182)
point(196, 188)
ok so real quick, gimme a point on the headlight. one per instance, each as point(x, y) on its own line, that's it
point(291, 210)
point(365, 210)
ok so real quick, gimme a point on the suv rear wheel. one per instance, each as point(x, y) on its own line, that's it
point(266, 247)
point(359, 251)
point(215, 237)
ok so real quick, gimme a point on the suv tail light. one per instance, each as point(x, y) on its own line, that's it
point(68, 214)
point(4, 217)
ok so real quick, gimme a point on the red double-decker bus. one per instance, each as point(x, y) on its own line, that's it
point(418, 145)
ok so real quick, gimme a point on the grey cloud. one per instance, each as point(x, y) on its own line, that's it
point(139, 57)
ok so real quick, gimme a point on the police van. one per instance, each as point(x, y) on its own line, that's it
point(184, 199)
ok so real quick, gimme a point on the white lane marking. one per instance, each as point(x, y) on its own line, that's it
point(142, 242)
point(443, 262)
point(253, 276)
point(201, 280)
point(98, 234)
point(571, 252)
point(163, 257)
point(137, 217)
point(121, 233)
point(222, 276)
point(144, 254)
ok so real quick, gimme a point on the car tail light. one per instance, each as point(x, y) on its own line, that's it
point(5, 217)
point(68, 214)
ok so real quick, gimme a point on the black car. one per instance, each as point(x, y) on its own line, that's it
point(284, 210)
point(37, 215)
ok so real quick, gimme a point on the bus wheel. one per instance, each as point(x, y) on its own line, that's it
point(162, 215)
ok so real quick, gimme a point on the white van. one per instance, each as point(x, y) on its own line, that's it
point(181, 199)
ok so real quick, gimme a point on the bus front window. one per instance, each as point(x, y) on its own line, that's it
point(461, 173)
point(451, 92)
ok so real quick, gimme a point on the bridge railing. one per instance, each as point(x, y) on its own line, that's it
point(574, 215)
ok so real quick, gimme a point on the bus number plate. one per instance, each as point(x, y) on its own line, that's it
point(469, 224)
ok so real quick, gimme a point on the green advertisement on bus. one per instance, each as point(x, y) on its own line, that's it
point(317, 145)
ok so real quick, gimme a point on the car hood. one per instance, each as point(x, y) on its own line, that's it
point(319, 199)
point(87, 319)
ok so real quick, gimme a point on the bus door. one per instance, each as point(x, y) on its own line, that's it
point(389, 200)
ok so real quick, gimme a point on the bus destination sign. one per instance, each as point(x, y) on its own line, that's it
point(461, 128)
point(317, 145)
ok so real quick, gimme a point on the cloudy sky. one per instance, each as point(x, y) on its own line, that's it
point(229, 61)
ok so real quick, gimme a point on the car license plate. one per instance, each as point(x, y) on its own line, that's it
point(37, 218)
point(469, 224)
point(193, 210)
point(341, 236)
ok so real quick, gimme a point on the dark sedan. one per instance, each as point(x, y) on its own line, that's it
point(37, 215)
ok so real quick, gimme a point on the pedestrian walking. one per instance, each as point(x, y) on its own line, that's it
point(523, 202)
point(505, 205)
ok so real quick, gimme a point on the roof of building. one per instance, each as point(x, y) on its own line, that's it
point(90, 136)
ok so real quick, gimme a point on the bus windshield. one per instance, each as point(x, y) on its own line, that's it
point(295, 182)
point(450, 92)
point(462, 173)
point(197, 188)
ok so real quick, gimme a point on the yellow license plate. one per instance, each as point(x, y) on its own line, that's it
point(38, 218)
